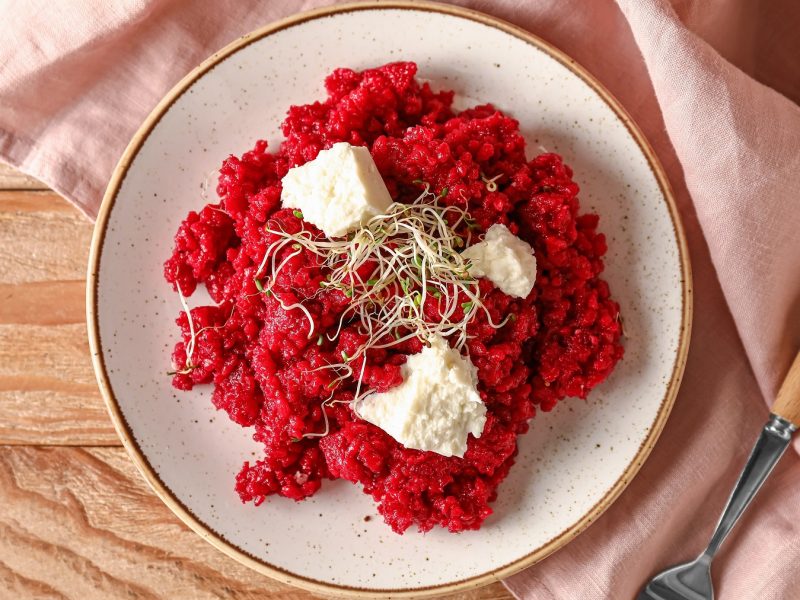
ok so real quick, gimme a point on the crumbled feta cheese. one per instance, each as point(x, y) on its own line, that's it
point(436, 407)
point(504, 259)
point(338, 191)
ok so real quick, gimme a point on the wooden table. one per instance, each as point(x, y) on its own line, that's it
point(76, 519)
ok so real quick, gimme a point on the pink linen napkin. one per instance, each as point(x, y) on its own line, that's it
point(78, 79)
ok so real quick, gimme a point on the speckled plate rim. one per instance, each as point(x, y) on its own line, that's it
point(182, 511)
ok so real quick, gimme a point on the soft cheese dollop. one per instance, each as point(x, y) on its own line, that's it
point(338, 191)
point(436, 407)
point(505, 260)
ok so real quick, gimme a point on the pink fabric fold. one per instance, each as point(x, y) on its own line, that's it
point(739, 145)
point(78, 79)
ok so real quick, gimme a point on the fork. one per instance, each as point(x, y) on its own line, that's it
point(692, 580)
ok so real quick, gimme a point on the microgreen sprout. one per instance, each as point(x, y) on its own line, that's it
point(297, 214)
point(189, 365)
point(328, 402)
point(491, 185)
point(402, 270)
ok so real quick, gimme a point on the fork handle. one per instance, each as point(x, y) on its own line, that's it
point(768, 449)
point(770, 446)
point(787, 404)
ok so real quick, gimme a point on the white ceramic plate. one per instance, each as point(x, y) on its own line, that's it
point(573, 463)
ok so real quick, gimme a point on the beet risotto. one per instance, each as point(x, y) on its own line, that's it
point(312, 338)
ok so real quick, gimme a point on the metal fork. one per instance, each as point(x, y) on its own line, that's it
point(692, 580)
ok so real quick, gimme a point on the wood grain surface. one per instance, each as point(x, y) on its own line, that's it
point(11, 179)
point(77, 520)
point(787, 404)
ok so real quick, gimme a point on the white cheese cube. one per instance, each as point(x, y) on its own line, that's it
point(505, 260)
point(436, 407)
point(338, 191)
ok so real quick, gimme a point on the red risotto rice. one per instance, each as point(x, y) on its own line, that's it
point(562, 340)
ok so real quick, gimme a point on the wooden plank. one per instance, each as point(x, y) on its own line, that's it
point(78, 523)
point(55, 418)
point(42, 238)
point(48, 389)
point(48, 393)
point(33, 201)
point(11, 179)
point(43, 303)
